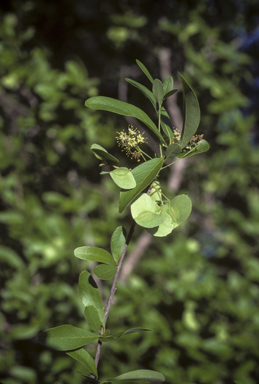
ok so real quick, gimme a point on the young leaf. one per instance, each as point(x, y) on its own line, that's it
point(123, 178)
point(103, 103)
point(146, 92)
point(118, 241)
point(158, 91)
point(141, 375)
point(144, 210)
point(117, 335)
point(94, 254)
point(165, 228)
point(179, 208)
point(173, 150)
point(144, 69)
point(83, 357)
point(144, 174)
point(168, 94)
point(191, 113)
point(168, 84)
point(102, 154)
point(66, 337)
point(90, 294)
point(202, 146)
point(92, 318)
point(105, 272)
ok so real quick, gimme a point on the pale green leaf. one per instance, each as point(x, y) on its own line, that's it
point(179, 208)
point(123, 178)
point(168, 84)
point(165, 228)
point(144, 210)
point(144, 174)
point(94, 254)
point(66, 337)
point(83, 357)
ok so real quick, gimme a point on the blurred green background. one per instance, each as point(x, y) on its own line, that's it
point(197, 289)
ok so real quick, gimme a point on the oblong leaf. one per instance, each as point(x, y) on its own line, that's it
point(191, 113)
point(118, 241)
point(83, 357)
point(202, 146)
point(105, 272)
point(92, 318)
point(146, 92)
point(94, 254)
point(144, 174)
point(102, 154)
point(158, 91)
point(144, 70)
point(90, 294)
point(66, 337)
point(168, 84)
point(168, 94)
point(103, 103)
point(141, 375)
point(173, 150)
point(166, 124)
point(123, 178)
point(117, 335)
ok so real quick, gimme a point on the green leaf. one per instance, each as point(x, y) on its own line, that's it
point(170, 93)
point(146, 92)
point(118, 241)
point(66, 337)
point(202, 146)
point(102, 154)
point(144, 210)
point(166, 124)
point(168, 84)
point(123, 178)
point(158, 91)
point(144, 70)
point(173, 150)
point(105, 272)
point(179, 208)
point(165, 228)
point(191, 113)
point(141, 375)
point(83, 357)
point(90, 294)
point(94, 254)
point(144, 174)
point(117, 335)
point(92, 318)
point(103, 103)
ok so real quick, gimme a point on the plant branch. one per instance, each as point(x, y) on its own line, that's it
point(113, 290)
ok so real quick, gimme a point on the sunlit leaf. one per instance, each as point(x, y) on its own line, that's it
point(123, 178)
point(144, 174)
point(144, 212)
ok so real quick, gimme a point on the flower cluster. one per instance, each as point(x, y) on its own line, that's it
point(129, 142)
point(177, 136)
